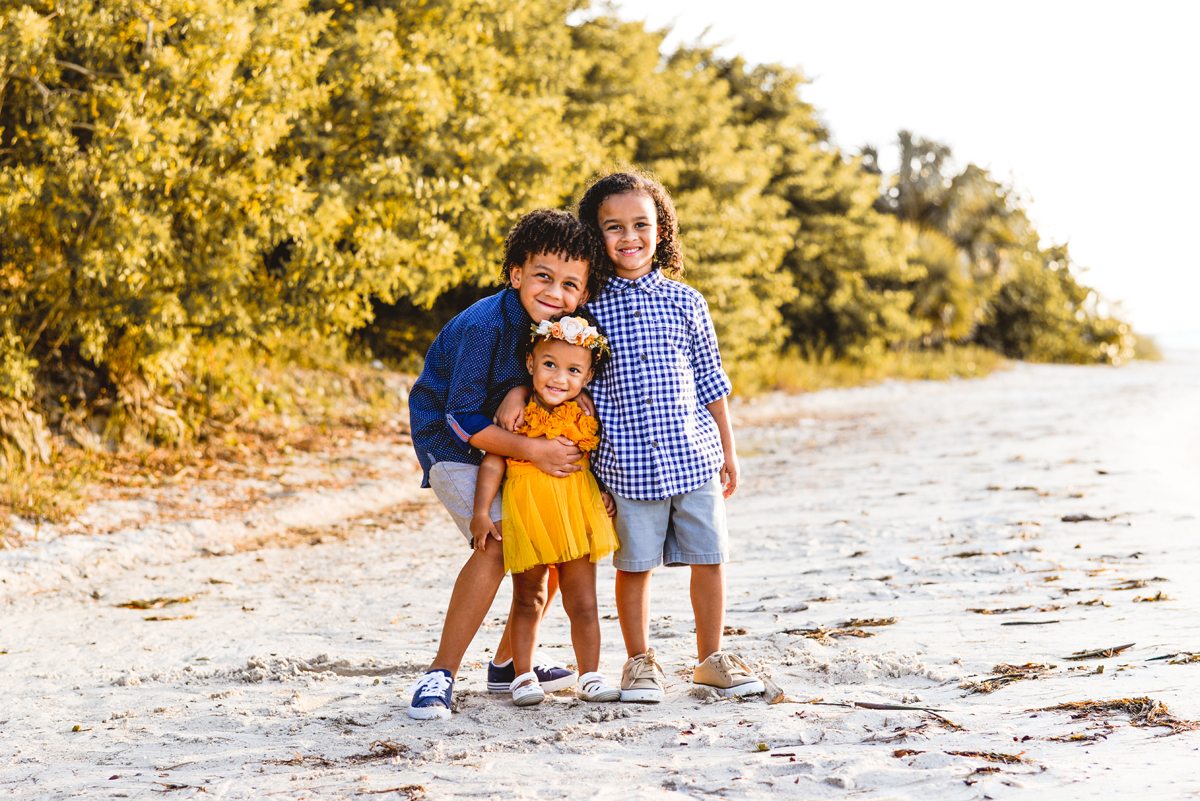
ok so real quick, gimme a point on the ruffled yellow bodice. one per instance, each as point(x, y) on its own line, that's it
point(565, 420)
point(548, 520)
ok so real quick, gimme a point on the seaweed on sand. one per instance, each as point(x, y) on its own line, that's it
point(1005, 674)
point(155, 603)
point(1099, 653)
point(1143, 712)
point(824, 635)
point(1003, 611)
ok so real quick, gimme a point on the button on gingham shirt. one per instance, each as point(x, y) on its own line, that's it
point(659, 439)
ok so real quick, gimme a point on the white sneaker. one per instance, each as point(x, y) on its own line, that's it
point(526, 691)
point(593, 688)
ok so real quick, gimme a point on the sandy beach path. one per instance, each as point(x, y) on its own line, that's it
point(286, 674)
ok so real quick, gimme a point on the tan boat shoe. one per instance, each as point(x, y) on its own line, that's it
point(642, 679)
point(728, 675)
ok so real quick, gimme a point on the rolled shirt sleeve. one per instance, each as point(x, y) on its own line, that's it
point(712, 383)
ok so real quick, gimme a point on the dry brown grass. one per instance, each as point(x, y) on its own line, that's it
point(800, 372)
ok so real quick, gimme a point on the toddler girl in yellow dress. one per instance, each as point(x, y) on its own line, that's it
point(553, 520)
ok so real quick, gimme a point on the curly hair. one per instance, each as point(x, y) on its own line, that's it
point(558, 233)
point(599, 357)
point(668, 251)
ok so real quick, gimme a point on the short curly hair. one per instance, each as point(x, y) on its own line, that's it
point(668, 251)
point(559, 233)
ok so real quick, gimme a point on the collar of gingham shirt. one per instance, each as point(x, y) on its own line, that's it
point(659, 439)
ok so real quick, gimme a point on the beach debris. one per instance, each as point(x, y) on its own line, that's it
point(1159, 596)
point(1085, 518)
point(855, 622)
point(1003, 611)
point(773, 693)
point(825, 635)
point(217, 581)
point(857, 554)
point(156, 603)
point(164, 617)
point(1182, 658)
point(380, 749)
point(167, 787)
point(1185, 659)
point(409, 791)
point(730, 631)
point(1029, 622)
point(822, 599)
point(990, 756)
point(1005, 674)
point(300, 759)
point(1093, 602)
point(787, 610)
point(1138, 584)
point(1080, 738)
point(1143, 712)
point(1099, 653)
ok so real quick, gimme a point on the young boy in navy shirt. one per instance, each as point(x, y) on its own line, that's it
point(552, 263)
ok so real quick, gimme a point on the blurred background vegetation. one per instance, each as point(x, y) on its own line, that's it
point(200, 199)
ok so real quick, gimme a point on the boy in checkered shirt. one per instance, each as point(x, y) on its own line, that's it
point(667, 455)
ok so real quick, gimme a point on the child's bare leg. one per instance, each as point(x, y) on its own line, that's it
point(504, 648)
point(473, 593)
point(708, 607)
point(529, 602)
point(633, 610)
point(578, 579)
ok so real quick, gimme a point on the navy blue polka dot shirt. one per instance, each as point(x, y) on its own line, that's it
point(470, 367)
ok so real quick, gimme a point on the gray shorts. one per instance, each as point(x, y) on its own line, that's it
point(454, 485)
point(687, 529)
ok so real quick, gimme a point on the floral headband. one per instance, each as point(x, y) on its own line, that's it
point(572, 330)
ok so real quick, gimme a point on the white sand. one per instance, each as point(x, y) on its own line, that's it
point(290, 672)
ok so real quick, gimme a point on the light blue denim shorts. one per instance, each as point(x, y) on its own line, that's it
point(687, 529)
point(454, 485)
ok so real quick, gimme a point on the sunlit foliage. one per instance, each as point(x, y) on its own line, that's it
point(182, 178)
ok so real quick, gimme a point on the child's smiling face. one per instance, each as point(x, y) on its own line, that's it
point(559, 369)
point(629, 224)
point(548, 285)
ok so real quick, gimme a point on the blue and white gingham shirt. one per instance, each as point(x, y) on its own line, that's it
point(659, 439)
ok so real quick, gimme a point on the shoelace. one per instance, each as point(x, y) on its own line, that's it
point(651, 660)
point(434, 684)
point(730, 661)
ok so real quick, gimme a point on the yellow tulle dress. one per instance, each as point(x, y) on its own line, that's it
point(550, 520)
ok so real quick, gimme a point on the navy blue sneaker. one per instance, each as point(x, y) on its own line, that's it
point(552, 678)
point(431, 696)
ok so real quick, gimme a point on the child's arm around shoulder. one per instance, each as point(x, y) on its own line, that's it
point(491, 475)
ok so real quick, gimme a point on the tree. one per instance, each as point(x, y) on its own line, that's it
point(847, 261)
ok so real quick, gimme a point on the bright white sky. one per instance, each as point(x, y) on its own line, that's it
point(1088, 107)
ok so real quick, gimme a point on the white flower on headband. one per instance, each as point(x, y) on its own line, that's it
point(572, 330)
